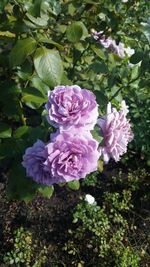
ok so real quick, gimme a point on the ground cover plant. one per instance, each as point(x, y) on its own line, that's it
point(74, 93)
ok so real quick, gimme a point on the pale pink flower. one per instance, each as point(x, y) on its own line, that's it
point(116, 130)
point(112, 46)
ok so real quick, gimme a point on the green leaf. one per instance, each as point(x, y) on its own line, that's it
point(51, 6)
point(48, 66)
point(98, 67)
point(19, 186)
point(16, 147)
point(25, 71)
point(96, 133)
point(5, 130)
point(21, 50)
point(100, 166)
point(99, 52)
point(102, 99)
point(46, 191)
point(40, 85)
point(71, 9)
point(146, 30)
point(36, 8)
point(41, 22)
point(3, 3)
point(30, 134)
point(136, 58)
point(74, 185)
point(22, 130)
point(74, 32)
point(6, 35)
point(49, 41)
point(33, 95)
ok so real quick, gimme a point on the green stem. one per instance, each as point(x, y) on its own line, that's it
point(117, 92)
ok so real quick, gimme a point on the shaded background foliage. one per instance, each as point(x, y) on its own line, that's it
point(44, 43)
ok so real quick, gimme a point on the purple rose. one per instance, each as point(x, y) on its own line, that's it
point(71, 157)
point(116, 130)
point(72, 107)
point(33, 161)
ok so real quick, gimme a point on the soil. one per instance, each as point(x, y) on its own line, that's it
point(49, 219)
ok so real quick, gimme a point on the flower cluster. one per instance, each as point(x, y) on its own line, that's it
point(72, 152)
point(111, 45)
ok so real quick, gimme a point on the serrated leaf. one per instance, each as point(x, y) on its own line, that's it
point(5, 130)
point(48, 66)
point(74, 185)
point(21, 50)
point(46, 191)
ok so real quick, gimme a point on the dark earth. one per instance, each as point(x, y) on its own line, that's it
point(49, 219)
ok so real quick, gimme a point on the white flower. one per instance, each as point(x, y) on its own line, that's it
point(129, 51)
point(124, 1)
point(89, 199)
point(124, 107)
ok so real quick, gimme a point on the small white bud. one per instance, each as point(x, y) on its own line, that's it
point(89, 199)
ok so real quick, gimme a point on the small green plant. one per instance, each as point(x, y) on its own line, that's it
point(105, 231)
point(133, 180)
point(128, 258)
point(91, 179)
point(24, 250)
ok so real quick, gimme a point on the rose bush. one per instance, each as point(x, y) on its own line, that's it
point(42, 49)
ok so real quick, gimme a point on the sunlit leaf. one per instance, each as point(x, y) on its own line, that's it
point(48, 66)
point(74, 185)
point(75, 32)
point(46, 191)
